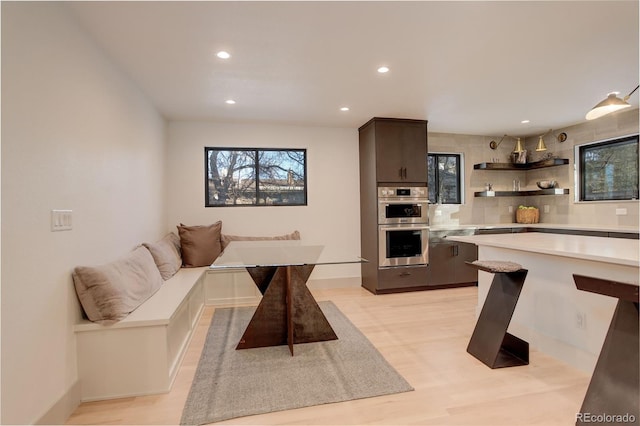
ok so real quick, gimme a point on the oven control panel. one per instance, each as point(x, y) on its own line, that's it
point(402, 192)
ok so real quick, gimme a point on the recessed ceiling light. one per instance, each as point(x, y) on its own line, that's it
point(344, 109)
point(383, 70)
point(525, 121)
point(223, 55)
point(230, 101)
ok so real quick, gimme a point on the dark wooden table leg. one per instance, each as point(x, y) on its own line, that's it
point(290, 336)
point(613, 390)
point(288, 313)
point(490, 342)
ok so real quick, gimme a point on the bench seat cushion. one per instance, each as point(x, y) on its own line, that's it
point(110, 292)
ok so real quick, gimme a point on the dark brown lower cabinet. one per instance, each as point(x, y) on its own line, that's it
point(447, 260)
point(403, 278)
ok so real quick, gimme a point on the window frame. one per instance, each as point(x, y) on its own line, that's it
point(257, 152)
point(579, 175)
point(460, 175)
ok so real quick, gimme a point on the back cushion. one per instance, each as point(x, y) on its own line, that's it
point(166, 255)
point(226, 239)
point(200, 244)
point(108, 293)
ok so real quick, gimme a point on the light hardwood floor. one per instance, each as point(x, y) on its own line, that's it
point(424, 336)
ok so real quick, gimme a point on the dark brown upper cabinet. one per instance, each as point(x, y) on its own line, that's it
point(400, 147)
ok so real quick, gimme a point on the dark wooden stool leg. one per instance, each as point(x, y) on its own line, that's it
point(612, 396)
point(613, 390)
point(490, 342)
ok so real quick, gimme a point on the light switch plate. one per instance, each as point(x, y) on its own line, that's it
point(621, 212)
point(61, 220)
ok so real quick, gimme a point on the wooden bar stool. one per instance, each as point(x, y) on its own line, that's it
point(613, 389)
point(490, 342)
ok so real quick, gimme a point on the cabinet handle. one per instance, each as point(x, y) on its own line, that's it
point(454, 250)
point(405, 274)
point(400, 172)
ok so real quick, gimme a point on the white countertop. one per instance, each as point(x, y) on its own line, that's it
point(618, 251)
point(600, 228)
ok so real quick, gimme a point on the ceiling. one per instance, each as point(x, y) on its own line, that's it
point(467, 67)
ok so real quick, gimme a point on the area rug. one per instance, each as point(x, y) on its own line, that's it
point(233, 383)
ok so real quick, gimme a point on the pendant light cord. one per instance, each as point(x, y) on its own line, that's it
point(632, 92)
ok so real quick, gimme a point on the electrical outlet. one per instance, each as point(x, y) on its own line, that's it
point(510, 209)
point(581, 320)
point(546, 208)
point(621, 212)
point(61, 220)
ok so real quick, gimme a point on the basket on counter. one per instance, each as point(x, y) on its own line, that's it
point(527, 215)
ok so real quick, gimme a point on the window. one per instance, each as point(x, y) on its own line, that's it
point(608, 170)
point(444, 178)
point(251, 176)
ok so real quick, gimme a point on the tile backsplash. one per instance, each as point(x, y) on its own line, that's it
point(556, 209)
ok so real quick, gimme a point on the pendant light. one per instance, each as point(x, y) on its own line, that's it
point(541, 146)
point(609, 105)
point(517, 148)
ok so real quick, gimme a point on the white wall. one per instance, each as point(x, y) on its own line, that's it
point(76, 134)
point(332, 215)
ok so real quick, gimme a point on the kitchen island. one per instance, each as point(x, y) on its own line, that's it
point(552, 315)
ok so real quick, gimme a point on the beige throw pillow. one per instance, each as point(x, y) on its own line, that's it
point(166, 254)
point(108, 293)
point(200, 244)
point(226, 239)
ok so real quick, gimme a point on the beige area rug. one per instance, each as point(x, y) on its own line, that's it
point(234, 383)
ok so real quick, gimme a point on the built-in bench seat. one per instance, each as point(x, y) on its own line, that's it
point(134, 345)
point(141, 354)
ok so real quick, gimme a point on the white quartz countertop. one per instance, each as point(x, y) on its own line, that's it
point(600, 228)
point(618, 251)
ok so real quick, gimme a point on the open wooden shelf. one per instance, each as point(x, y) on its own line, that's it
point(552, 191)
point(552, 162)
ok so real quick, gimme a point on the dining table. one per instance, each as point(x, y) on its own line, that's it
point(288, 313)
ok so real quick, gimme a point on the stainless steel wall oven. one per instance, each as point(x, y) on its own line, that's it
point(403, 226)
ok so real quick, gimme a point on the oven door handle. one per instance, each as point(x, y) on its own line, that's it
point(411, 201)
point(404, 227)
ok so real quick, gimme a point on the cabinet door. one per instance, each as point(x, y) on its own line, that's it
point(401, 151)
point(442, 263)
point(447, 263)
point(465, 252)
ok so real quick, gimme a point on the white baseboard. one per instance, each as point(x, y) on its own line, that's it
point(63, 408)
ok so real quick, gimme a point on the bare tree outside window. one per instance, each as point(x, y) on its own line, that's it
point(609, 170)
point(444, 178)
point(250, 176)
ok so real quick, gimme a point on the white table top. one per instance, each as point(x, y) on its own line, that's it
point(618, 251)
point(249, 254)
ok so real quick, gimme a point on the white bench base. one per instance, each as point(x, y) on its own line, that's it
point(141, 354)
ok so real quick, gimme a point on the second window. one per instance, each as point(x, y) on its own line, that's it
point(444, 178)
